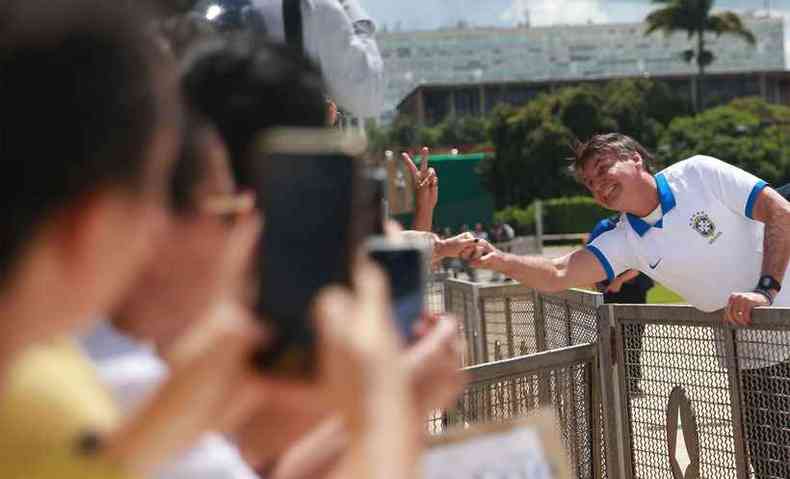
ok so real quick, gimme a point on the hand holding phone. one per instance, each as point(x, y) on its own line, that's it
point(404, 265)
point(309, 191)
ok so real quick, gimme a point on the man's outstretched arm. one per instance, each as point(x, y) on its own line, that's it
point(579, 268)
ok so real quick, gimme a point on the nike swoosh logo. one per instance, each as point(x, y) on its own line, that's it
point(654, 266)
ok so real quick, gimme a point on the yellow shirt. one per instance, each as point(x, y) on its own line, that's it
point(51, 399)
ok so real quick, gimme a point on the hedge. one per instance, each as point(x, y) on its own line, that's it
point(577, 214)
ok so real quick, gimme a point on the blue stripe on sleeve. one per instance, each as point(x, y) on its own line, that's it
point(753, 197)
point(604, 262)
point(602, 227)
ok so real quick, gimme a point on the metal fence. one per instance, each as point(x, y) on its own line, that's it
point(562, 379)
point(434, 292)
point(524, 350)
point(682, 394)
point(696, 397)
point(508, 320)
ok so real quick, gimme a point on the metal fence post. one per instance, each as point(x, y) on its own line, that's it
point(544, 379)
point(598, 440)
point(614, 466)
point(734, 379)
point(597, 434)
point(540, 322)
point(481, 321)
point(511, 351)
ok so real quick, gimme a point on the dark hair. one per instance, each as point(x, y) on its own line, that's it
point(80, 104)
point(623, 146)
point(244, 85)
point(191, 166)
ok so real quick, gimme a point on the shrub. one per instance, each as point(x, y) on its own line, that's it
point(576, 214)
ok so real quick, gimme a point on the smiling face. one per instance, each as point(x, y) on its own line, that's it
point(614, 179)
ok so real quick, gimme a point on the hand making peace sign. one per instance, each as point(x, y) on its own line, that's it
point(426, 183)
point(426, 189)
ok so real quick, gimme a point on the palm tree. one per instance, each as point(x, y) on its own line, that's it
point(695, 18)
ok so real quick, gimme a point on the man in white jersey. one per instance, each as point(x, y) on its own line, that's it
point(712, 232)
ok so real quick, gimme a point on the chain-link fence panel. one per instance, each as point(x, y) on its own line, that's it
point(702, 396)
point(461, 300)
point(434, 293)
point(562, 379)
point(763, 357)
point(518, 320)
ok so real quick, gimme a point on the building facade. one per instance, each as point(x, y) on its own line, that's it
point(547, 55)
point(430, 104)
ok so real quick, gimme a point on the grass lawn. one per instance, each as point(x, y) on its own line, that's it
point(661, 295)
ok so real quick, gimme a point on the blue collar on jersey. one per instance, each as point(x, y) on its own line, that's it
point(667, 200)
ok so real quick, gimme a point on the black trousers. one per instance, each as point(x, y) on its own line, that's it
point(766, 412)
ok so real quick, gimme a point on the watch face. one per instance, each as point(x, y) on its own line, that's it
point(766, 282)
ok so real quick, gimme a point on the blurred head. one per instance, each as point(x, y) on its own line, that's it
point(244, 86)
point(189, 270)
point(614, 168)
point(90, 122)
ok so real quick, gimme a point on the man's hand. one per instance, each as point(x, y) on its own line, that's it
point(739, 307)
point(483, 255)
point(426, 190)
point(615, 287)
point(454, 246)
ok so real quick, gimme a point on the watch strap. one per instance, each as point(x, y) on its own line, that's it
point(768, 282)
point(766, 294)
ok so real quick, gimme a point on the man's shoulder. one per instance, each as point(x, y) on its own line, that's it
point(604, 226)
point(693, 164)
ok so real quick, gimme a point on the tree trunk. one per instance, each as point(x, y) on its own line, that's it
point(701, 67)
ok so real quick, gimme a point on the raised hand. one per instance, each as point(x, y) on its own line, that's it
point(426, 188)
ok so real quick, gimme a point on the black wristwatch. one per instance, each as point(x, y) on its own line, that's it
point(767, 283)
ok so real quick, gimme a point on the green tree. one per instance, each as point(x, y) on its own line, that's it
point(532, 141)
point(465, 130)
point(642, 108)
point(748, 133)
point(695, 17)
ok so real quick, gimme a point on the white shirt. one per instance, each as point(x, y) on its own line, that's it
point(705, 246)
point(132, 371)
point(339, 37)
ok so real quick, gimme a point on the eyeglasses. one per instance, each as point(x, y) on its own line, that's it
point(229, 207)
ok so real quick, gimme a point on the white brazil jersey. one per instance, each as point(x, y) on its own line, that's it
point(706, 245)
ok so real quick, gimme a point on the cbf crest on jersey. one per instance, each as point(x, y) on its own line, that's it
point(704, 225)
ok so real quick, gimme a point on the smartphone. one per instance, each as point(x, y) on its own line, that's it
point(404, 266)
point(375, 194)
point(309, 181)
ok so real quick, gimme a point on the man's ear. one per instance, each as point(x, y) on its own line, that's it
point(637, 158)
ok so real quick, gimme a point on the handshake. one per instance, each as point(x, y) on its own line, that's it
point(478, 252)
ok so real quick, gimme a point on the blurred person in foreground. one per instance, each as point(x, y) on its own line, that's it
point(188, 269)
point(272, 87)
point(89, 127)
point(188, 274)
